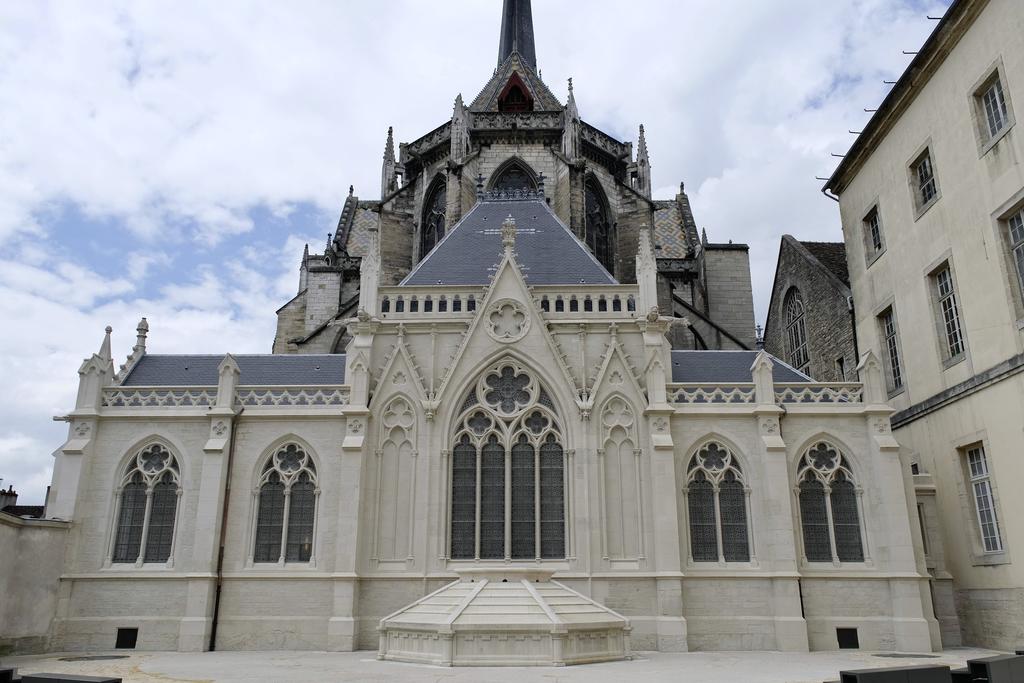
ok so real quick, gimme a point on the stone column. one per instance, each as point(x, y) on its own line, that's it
point(894, 509)
point(194, 630)
point(775, 535)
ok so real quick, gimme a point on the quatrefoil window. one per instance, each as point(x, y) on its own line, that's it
point(712, 457)
point(507, 390)
point(479, 423)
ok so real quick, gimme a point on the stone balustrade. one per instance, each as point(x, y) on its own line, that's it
point(844, 392)
point(206, 397)
point(704, 393)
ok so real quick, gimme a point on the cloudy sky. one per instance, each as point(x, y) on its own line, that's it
point(171, 159)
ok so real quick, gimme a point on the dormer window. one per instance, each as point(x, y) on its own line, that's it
point(515, 97)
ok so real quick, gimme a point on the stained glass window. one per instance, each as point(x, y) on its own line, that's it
point(161, 520)
point(552, 500)
point(703, 533)
point(270, 520)
point(149, 489)
point(600, 231)
point(732, 507)
point(492, 500)
point(130, 521)
point(814, 521)
point(464, 500)
point(845, 520)
point(514, 176)
point(434, 209)
point(288, 479)
point(796, 330)
point(511, 422)
point(524, 517)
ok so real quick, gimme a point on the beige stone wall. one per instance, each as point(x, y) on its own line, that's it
point(978, 185)
point(31, 557)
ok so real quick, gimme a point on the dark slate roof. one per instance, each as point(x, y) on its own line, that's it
point(547, 253)
point(33, 511)
point(727, 367)
point(297, 370)
point(833, 256)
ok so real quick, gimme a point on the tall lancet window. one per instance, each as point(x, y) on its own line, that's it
point(507, 471)
point(286, 507)
point(829, 506)
point(796, 330)
point(434, 208)
point(599, 227)
point(147, 507)
point(717, 505)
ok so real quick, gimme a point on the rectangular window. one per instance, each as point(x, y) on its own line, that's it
point(953, 346)
point(924, 180)
point(891, 350)
point(984, 501)
point(1015, 232)
point(874, 243)
point(840, 369)
point(924, 529)
point(994, 105)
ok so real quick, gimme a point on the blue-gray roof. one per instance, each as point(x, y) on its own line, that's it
point(294, 370)
point(546, 251)
point(726, 367)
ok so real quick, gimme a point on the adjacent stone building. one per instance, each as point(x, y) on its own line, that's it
point(507, 449)
point(932, 202)
point(810, 316)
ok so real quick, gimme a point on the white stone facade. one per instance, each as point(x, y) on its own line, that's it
point(381, 445)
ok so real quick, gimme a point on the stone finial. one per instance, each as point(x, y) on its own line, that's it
point(763, 374)
point(104, 352)
point(508, 233)
point(479, 185)
point(140, 340)
point(540, 183)
point(704, 236)
point(872, 377)
point(351, 190)
point(388, 168)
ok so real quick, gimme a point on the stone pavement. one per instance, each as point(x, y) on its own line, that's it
point(324, 667)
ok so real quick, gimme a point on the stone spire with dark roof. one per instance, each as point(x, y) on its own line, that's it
point(517, 33)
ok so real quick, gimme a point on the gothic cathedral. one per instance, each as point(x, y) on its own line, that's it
point(514, 415)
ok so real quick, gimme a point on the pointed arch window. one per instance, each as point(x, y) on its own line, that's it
point(434, 209)
point(717, 502)
point(829, 506)
point(514, 176)
point(600, 231)
point(147, 504)
point(796, 330)
point(286, 503)
point(515, 97)
point(508, 435)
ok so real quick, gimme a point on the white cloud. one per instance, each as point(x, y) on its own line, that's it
point(169, 124)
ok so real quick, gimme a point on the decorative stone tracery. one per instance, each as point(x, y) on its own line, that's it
point(147, 504)
point(508, 471)
point(829, 502)
point(285, 503)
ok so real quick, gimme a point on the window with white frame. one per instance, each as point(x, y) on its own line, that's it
point(829, 507)
point(796, 330)
point(993, 109)
point(984, 500)
point(926, 188)
point(951, 334)
point(717, 504)
point(508, 434)
point(1015, 240)
point(147, 504)
point(874, 242)
point(286, 507)
point(891, 350)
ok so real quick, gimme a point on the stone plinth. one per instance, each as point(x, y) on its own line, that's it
point(504, 617)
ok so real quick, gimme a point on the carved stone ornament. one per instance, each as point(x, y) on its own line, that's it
point(507, 321)
point(82, 429)
point(219, 428)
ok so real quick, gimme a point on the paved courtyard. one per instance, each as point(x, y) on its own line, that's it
point(323, 667)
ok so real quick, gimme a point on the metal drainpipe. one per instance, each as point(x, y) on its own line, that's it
point(223, 531)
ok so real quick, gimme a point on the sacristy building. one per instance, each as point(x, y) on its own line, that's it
point(513, 415)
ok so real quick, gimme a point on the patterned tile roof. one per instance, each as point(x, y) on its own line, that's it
point(257, 370)
point(546, 251)
point(726, 366)
point(669, 231)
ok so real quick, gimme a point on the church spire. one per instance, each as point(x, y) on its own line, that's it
point(517, 33)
